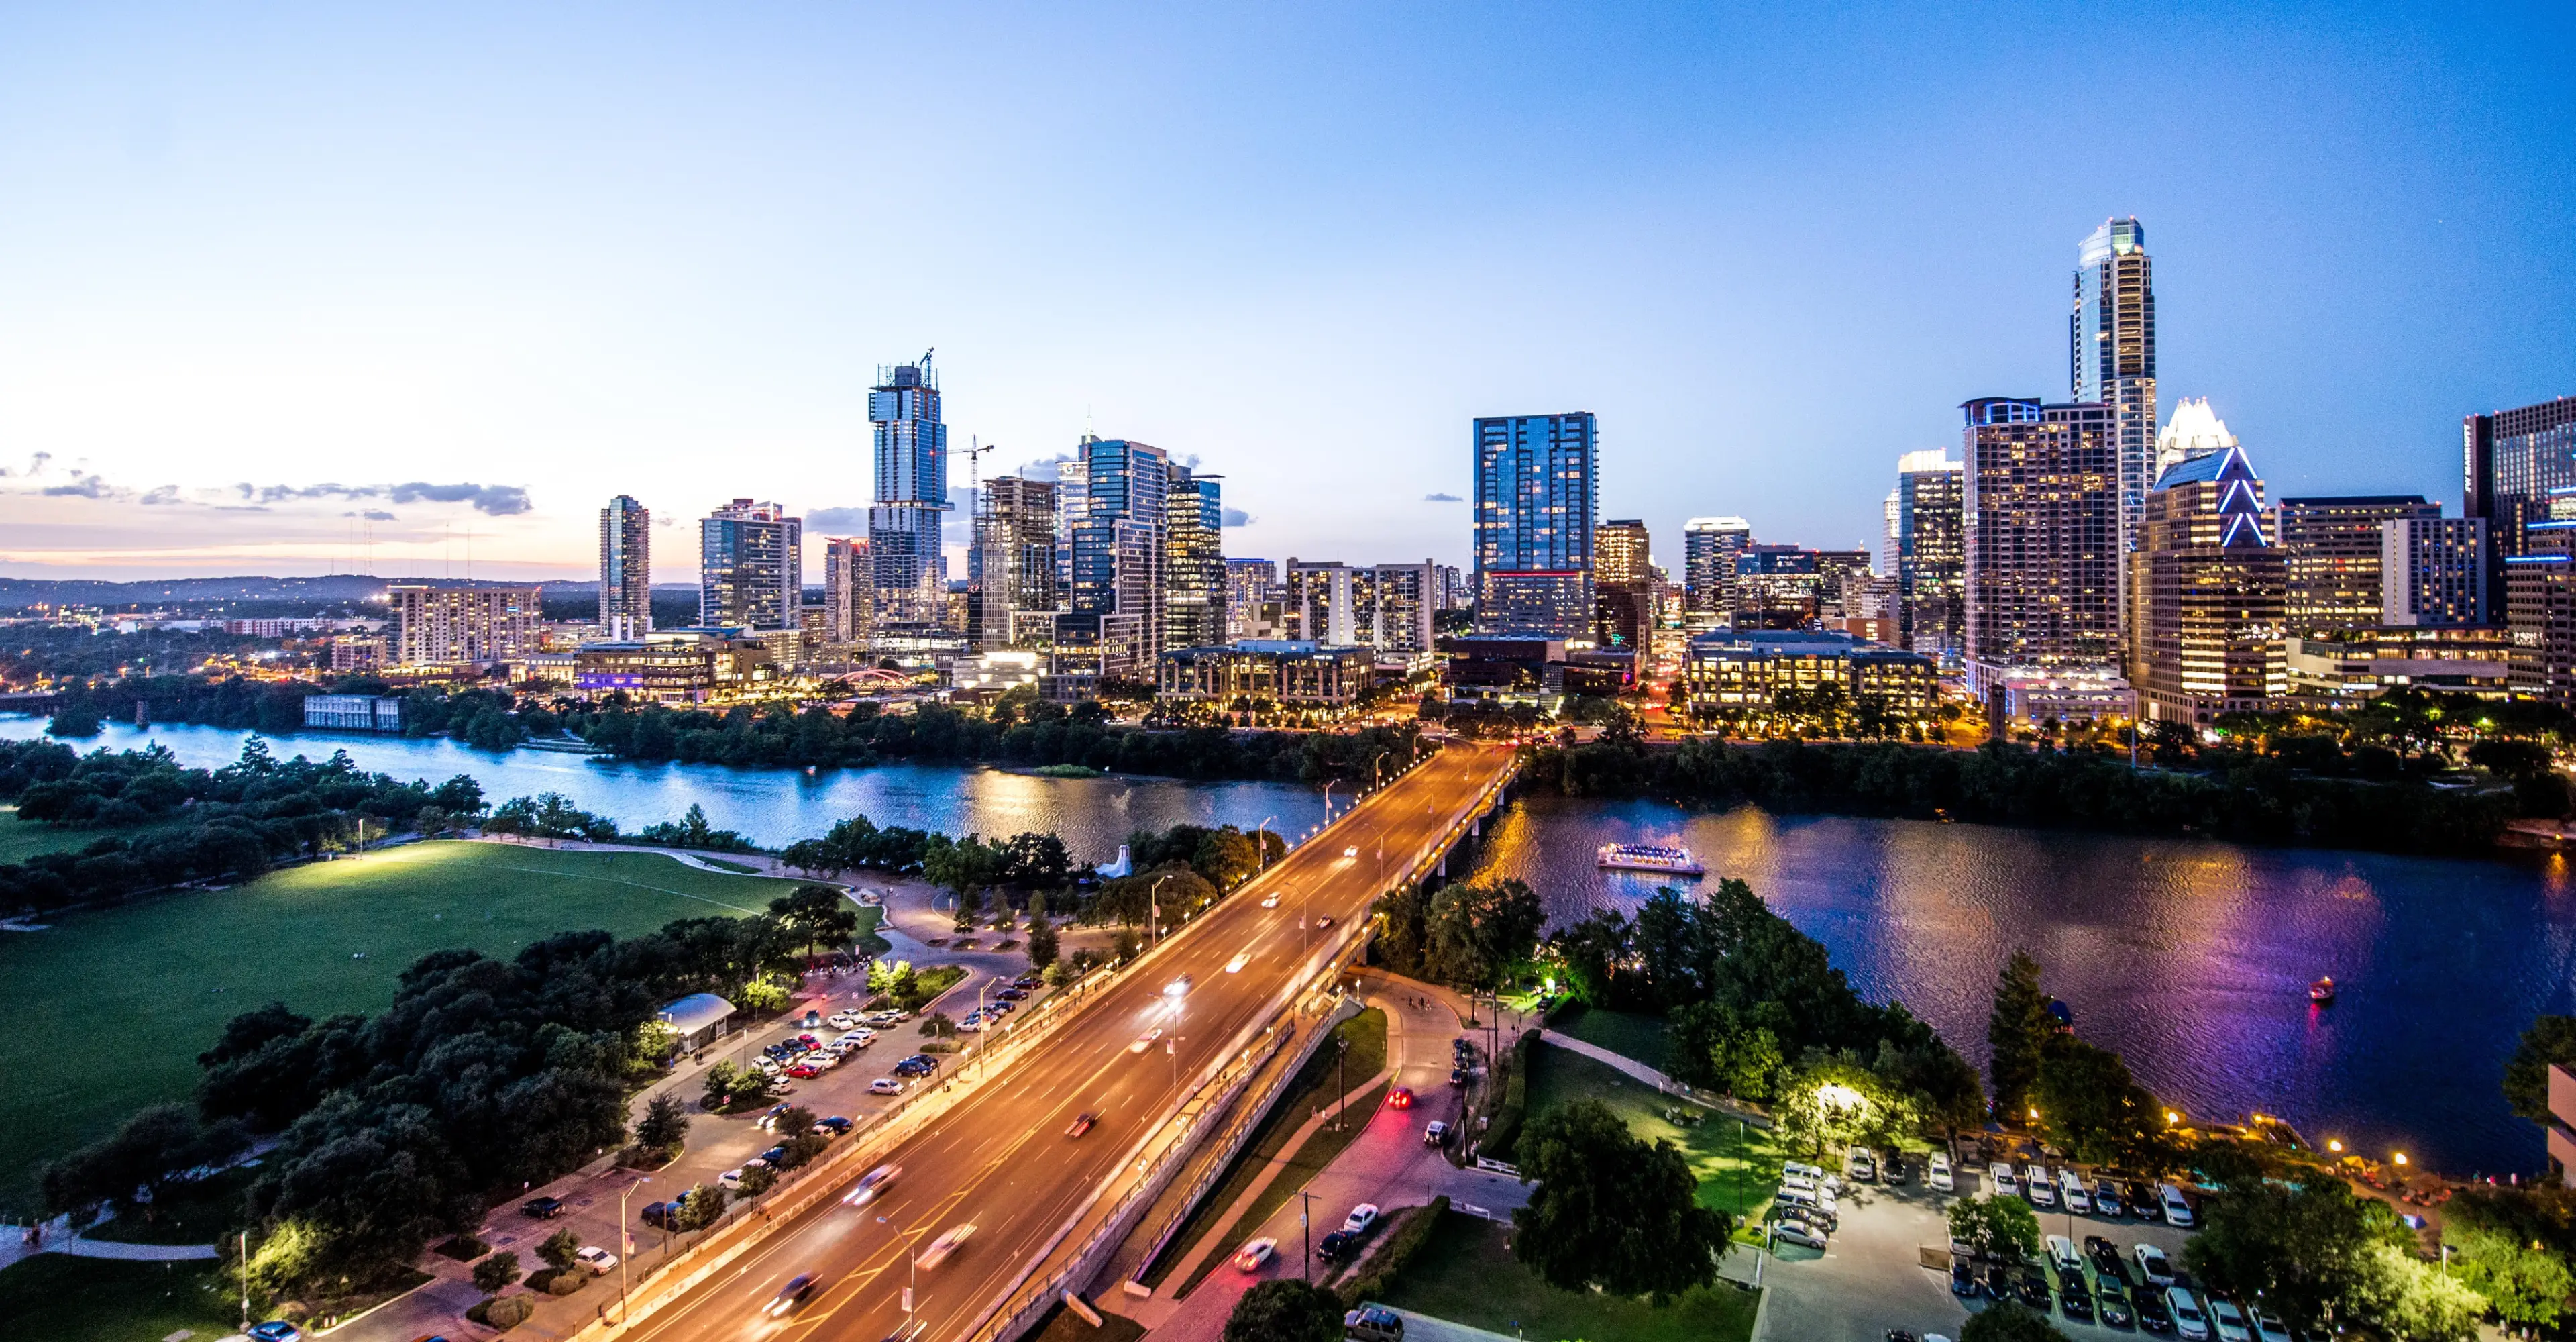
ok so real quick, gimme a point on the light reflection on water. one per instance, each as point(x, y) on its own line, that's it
point(2191, 958)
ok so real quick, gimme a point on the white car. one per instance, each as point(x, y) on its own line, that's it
point(2037, 1188)
point(945, 1245)
point(2070, 1186)
point(730, 1180)
point(2177, 1210)
point(973, 1024)
point(1937, 1173)
point(597, 1259)
point(1361, 1218)
point(1146, 1040)
point(2007, 1184)
point(1352, 851)
point(885, 1085)
point(1864, 1166)
point(1235, 965)
point(1271, 900)
point(2230, 1320)
point(1815, 1174)
point(1797, 1232)
point(2062, 1255)
point(2269, 1328)
point(2152, 1265)
point(1253, 1255)
point(871, 1184)
point(2189, 1323)
point(841, 1020)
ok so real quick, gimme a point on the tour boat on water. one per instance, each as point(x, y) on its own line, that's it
point(2322, 992)
point(1676, 861)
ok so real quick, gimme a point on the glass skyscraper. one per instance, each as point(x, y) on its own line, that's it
point(1537, 493)
point(1115, 624)
point(751, 567)
point(625, 569)
point(911, 495)
point(1928, 557)
point(2111, 350)
point(1194, 562)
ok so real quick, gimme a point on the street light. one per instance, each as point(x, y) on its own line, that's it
point(912, 1272)
point(626, 1242)
point(1155, 899)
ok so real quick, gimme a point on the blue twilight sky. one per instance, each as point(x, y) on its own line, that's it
point(557, 252)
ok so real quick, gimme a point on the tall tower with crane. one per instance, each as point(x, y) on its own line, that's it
point(911, 495)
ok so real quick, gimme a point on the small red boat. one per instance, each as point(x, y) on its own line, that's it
point(2322, 992)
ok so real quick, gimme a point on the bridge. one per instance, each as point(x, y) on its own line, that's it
point(1167, 1069)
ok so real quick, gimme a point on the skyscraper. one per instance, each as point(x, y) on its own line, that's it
point(1928, 554)
point(1249, 584)
point(1011, 569)
point(2512, 459)
point(1623, 586)
point(1537, 488)
point(2111, 347)
point(2331, 547)
point(2433, 571)
point(849, 592)
point(625, 569)
point(2040, 502)
point(1115, 622)
point(751, 567)
point(1193, 562)
point(2194, 431)
point(911, 495)
point(2207, 592)
point(1709, 548)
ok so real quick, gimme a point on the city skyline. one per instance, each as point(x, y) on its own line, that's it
point(387, 342)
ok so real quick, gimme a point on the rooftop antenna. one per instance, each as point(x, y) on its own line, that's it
point(925, 362)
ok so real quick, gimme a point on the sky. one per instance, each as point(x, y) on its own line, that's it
point(301, 290)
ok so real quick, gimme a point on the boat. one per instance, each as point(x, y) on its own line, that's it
point(1674, 861)
point(2322, 992)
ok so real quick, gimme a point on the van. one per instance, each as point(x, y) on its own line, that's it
point(1373, 1323)
point(2063, 1257)
point(2070, 1186)
point(1937, 1173)
point(2002, 1177)
point(2189, 1323)
point(2177, 1211)
point(2041, 1192)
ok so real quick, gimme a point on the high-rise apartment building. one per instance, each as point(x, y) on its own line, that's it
point(1779, 587)
point(849, 592)
point(1250, 585)
point(1709, 549)
point(1114, 622)
point(464, 626)
point(1623, 586)
point(1193, 561)
point(1385, 607)
point(1072, 501)
point(2207, 591)
point(751, 567)
point(2540, 608)
point(1927, 554)
point(2111, 345)
point(2331, 546)
point(2511, 461)
point(1537, 489)
point(2040, 503)
point(911, 495)
point(2433, 571)
point(625, 569)
point(1011, 568)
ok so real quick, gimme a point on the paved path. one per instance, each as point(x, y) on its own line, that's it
point(1651, 1077)
point(1234, 1211)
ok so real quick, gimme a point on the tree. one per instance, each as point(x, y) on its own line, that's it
point(559, 1248)
point(963, 867)
point(1042, 940)
point(2526, 1282)
point(130, 1166)
point(2017, 1032)
point(758, 1179)
point(1611, 1211)
point(497, 1270)
point(721, 1082)
point(2550, 1039)
point(1285, 1311)
point(1227, 857)
point(1834, 1102)
point(1478, 931)
point(815, 915)
point(700, 1207)
point(2090, 1105)
point(2004, 1228)
point(2411, 1300)
point(2005, 1321)
point(2304, 1250)
point(665, 1123)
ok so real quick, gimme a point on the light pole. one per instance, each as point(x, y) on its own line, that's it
point(912, 1271)
point(245, 1266)
point(1328, 800)
point(1261, 845)
point(627, 1243)
point(1156, 900)
point(1305, 1231)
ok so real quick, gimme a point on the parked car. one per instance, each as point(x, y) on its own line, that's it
point(841, 1020)
point(597, 1259)
point(919, 1064)
point(2229, 1320)
point(1026, 981)
point(1798, 1233)
point(2037, 1187)
point(731, 1180)
point(1821, 1178)
point(2070, 1187)
point(2031, 1285)
point(1332, 1247)
point(2189, 1323)
point(2153, 1313)
point(662, 1215)
point(1963, 1278)
point(2106, 1198)
point(1936, 1172)
point(2114, 1306)
point(2074, 1299)
point(1435, 1133)
point(2105, 1257)
point(2139, 1199)
point(1863, 1165)
point(1251, 1256)
point(1361, 1218)
point(804, 1071)
point(544, 1209)
point(832, 1126)
point(2152, 1265)
point(885, 1085)
point(2063, 1257)
point(2176, 1208)
point(1892, 1169)
point(774, 1157)
point(2269, 1328)
point(2006, 1183)
point(1373, 1323)
point(1998, 1282)
point(275, 1330)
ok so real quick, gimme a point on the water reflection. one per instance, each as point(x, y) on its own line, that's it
point(2191, 958)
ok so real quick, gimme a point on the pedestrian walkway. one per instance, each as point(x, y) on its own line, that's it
point(1211, 1242)
point(1650, 1076)
point(58, 1238)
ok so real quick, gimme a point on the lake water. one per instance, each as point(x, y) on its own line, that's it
point(2191, 958)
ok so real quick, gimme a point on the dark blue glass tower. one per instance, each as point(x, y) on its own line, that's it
point(911, 494)
point(1537, 489)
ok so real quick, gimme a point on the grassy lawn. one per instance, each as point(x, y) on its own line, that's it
point(23, 839)
point(106, 1012)
point(1738, 1167)
point(729, 864)
point(1317, 1084)
point(187, 1214)
point(1304, 1164)
point(1466, 1274)
point(65, 1299)
point(1630, 1035)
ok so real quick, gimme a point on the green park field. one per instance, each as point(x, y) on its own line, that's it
point(106, 1010)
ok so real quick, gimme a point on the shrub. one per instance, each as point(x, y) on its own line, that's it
point(503, 1312)
point(758, 1179)
point(494, 1274)
point(1402, 1243)
point(1508, 1113)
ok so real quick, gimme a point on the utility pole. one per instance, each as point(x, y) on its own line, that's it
point(628, 1245)
point(1342, 1075)
point(1306, 1231)
point(245, 1280)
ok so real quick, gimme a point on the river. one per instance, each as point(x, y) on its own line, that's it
point(2189, 957)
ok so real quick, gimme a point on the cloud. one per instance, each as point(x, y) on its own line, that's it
point(1442, 498)
point(86, 486)
point(496, 500)
point(1234, 517)
point(35, 466)
point(837, 521)
point(164, 495)
point(1044, 467)
point(371, 515)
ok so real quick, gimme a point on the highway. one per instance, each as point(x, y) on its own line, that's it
point(1002, 1161)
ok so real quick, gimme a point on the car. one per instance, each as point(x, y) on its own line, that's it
point(2031, 1285)
point(773, 1157)
point(1814, 1174)
point(661, 1215)
point(832, 1126)
point(2007, 1184)
point(2139, 1199)
point(804, 1071)
point(597, 1259)
point(2152, 1265)
point(797, 1290)
point(2189, 1323)
point(2177, 1209)
point(1893, 1169)
point(2106, 1198)
point(1864, 1166)
point(1822, 1220)
point(1271, 900)
point(1361, 1218)
point(731, 1180)
point(1373, 1323)
point(1013, 994)
point(948, 1242)
point(2114, 1306)
point(1399, 1098)
point(1235, 965)
point(1146, 1040)
point(1331, 1248)
point(841, 1020)
point(2036, 1186)
point(1435, 1133)
point(2230, 1320)
point(872, 1185)
point(1936, 1172)
point(1798, 1233)
point(1025, 982)
point(1251, 1256)
point(1352, 851)
point(275, 1330)
point(1998, 1282)
point(2153, 1313)
point(973, 1024)
point(1819, 1205)
point(2074, 1299)
point(2104, 1255)
point(2062, 1256)
point(768, 1066)
point(1179, 987)
point(1322, 923)
point(544, 1209)
point(1963, 1278)
point(2269, 1328)
point(1457, 1076)
point(919, 1064)
point(1081, 1125)
point(885, 1085)
point(2070, 1188)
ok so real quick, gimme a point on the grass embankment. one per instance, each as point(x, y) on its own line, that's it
point(64, 1299)
point(1466, 1274)
point(160, 976)
point(1632, 1036)
point(1317, 1084)
point(23, 839)
point(1738, 1165)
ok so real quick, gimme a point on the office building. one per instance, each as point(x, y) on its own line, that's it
point(2433, 571)
point(1294, 672)
point(1779, 587)
point(1113, 627)
point(1072, 501)
point(1927, 555)
point(2040, 509)
point(2111, 339)
point(751, 567)
point(1738, 676)
point(1709, 549)
point(1249, 585)
point(2207, 594)
point(2194, 431)
point(1536, 493)
point(1456, 593)
point(849, 593)
point(1845, 583)
point(678, 666)
point(1011, 568)
point(2331, 546)
point(463, 627)
point(2540, 611)
point(1193, 561)
point(354, 713)
point(1623, 586)
point(625, 568)
point(2343, 667)
point(911, 495)
point(2511, 460)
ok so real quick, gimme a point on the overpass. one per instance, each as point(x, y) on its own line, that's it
point(992, 1149)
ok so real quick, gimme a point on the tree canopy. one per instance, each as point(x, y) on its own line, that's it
point(1611, 1211)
